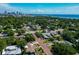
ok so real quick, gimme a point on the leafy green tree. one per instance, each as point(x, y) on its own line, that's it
point(3, 44)
point(0, 30)
point(77, 46)
point(39, 51)
point(51, 39)
point(77, 35)
point(69, 36)
point(29, 38)
point(21, 43)
point(38, 34)
point(42, 22)
point(63, 49)
point(10, 40)
point(20, 31)
point(9, 32)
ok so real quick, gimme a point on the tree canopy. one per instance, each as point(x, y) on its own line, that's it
point(63, 49)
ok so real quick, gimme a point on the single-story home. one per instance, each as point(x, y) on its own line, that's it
point(11, 50)
point(53, 32)
point(46, 35)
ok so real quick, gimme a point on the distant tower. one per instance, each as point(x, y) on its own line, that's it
point(5, 12)
point(17, 12)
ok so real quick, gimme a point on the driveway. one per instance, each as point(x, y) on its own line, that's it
point(43, 45)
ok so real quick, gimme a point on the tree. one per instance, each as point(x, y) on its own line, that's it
point(0, 30)
point(51, 39)
point(2, 44)
point(20, 31)
point(10, 40)
point(29, 38)
point(9, 32)
point(77, 46)
point(39, 51)
point(21, 43)
point(69, 36)
point(38, 34)
point(63, 49)
point(42, 22)
point(77, 35)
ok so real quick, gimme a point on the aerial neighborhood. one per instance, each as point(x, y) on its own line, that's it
point(38, 35)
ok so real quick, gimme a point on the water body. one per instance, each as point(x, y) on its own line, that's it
point(59, 15)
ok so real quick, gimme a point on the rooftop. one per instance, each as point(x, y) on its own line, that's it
point(11, 50)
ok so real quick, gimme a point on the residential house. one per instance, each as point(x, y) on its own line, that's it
point(11, 50)
point(53, 32)
point(3, 34)
point(46, 35)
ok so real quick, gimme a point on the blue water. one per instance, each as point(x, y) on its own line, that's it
point(59, 15)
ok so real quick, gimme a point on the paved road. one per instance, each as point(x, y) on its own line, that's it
point(43, 45)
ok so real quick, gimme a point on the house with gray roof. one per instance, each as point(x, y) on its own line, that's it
point(46, 35)
point(11, 50)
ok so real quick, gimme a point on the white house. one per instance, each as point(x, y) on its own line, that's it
point(46, 35)
point(3, 34)
point(11, 50)
point(53, 32)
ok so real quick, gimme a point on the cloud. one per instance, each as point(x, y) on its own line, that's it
point(3, 5)
point(59, 10)
point(68, 10)
point(7, 7)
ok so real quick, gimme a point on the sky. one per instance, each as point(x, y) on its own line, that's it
point(41, 8)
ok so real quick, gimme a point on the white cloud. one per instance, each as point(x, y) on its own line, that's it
point(59, 10)
point(4, 5)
